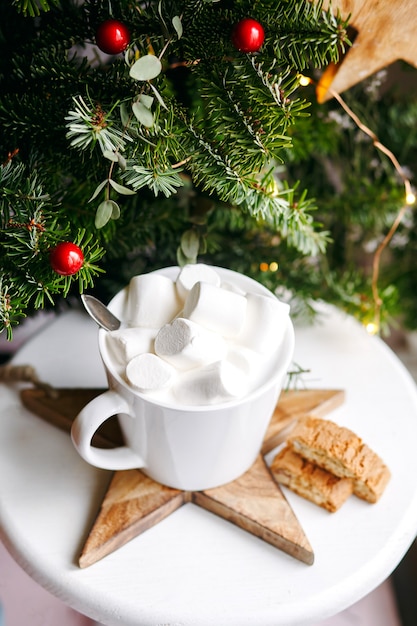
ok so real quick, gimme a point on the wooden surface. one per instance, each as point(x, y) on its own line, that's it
point(384, 32)
point(134, 503)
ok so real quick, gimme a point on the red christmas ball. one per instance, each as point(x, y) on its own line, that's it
point(66, 258)
point(248, 35)
point(112, 37)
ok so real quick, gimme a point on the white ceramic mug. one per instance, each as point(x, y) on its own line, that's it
point(186, 447)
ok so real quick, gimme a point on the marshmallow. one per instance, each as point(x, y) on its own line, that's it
point(234, 288)
point(266, 322)
point(216, 345)
point(194, 273)
point(152, 301)
point(247, 360)
point(219, 310)
point(126, 343)
point(214, 383)
point(147, 372)
point(185, 344)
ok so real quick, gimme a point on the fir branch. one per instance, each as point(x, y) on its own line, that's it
point(22, 197)
point(244, 119)
point(33, 8)
point(88, 125)
point(216, 174)
point(165, 181)
point(31, 226)
point(153, 159)
point(309, 36)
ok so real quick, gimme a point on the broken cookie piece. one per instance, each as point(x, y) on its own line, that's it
point(341, 452)
point(310, 481)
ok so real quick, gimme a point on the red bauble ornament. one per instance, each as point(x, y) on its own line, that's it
point(112, 37)
point(66, 258)
point(248, 35)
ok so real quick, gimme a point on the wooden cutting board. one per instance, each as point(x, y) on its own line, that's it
point(134, 503)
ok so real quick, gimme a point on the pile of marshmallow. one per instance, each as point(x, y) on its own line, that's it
point(197, 340)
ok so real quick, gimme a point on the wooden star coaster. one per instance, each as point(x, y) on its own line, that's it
point(134, 502)
point(385, 33)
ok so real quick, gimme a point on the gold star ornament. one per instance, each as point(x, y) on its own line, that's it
point(384, 31)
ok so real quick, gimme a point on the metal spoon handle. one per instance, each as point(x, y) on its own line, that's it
point(100, 313)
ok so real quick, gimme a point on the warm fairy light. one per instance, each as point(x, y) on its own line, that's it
point(410, 198)
point(269, 267)
point(372, 328)
point(304, 80)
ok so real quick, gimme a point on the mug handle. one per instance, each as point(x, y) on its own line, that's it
point(90, 418)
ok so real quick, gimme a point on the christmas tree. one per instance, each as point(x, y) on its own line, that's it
point(136, 135)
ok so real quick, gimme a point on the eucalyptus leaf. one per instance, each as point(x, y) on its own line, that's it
point(184, 260)
point(111, 156)
point(115, 214)
point(159, 97)
point(146, 100)
point(121, 161)
point(104, 213)
point(177, 24)
point(143, 114)
point(190, 243)
point(146, 68)
point(124, 115)
point(98, 189)
point(160, 13)
point(125, 191)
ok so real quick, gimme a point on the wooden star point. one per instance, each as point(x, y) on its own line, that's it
point(133, 503)
point(385, 34)
point(256, 503)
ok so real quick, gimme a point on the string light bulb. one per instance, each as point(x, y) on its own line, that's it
point(304, 80)
point(372, 328)
point(410, 198)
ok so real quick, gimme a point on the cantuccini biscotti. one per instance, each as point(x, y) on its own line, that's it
point(342, 453)
point(310, 481)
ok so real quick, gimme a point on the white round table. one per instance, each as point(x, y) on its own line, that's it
point(193, 568)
